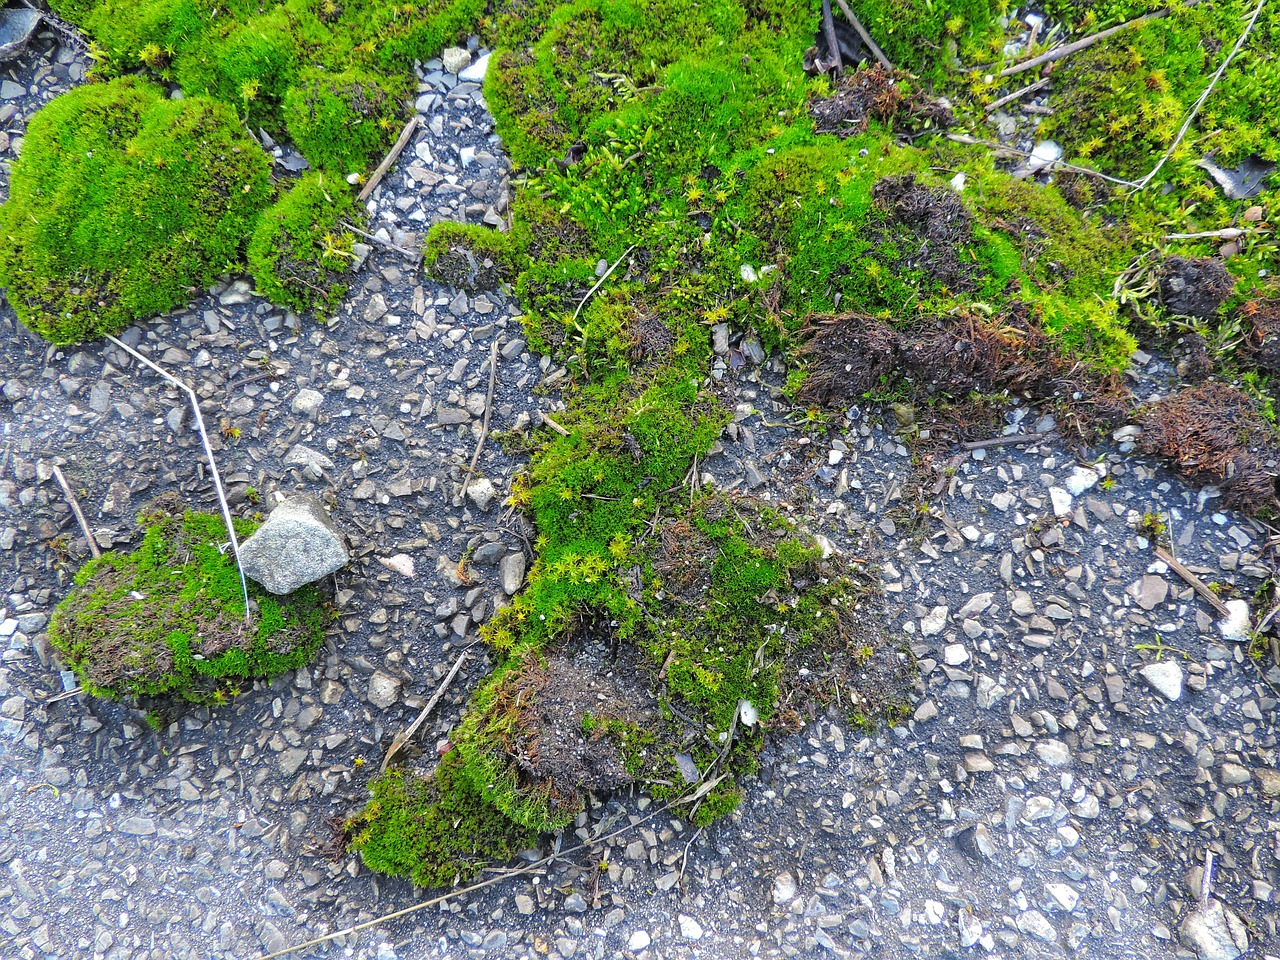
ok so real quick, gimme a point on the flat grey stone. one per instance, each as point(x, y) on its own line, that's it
point(1214, 932)
point(307, 402)
point(301, 456)
point(1164, 677)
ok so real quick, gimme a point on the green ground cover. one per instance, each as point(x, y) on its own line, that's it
point(125, 202)
point(166, 623)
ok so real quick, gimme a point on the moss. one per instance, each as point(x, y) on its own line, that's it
point(126, 202)
point(122, 203)
point(300, 254)
point(436, 832)
point(471, 257)
point(341, 122)
point(167, 620)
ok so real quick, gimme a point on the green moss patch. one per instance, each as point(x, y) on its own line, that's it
point(122, 203)
point(300, 254)
point(167, 620)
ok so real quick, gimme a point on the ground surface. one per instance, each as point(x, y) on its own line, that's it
point(1043, 799)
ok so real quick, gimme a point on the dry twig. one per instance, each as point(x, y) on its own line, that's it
point(607, 274)
point(1194, 582)
point(75, 509)
point(382, 243)
point(1012, 151)
point(403, 738)
point(389, 159)
point(553, 425)
point(1008, 441)
point(1057, 53)
point(208, 452)
point(995, 105)
point(862, 32)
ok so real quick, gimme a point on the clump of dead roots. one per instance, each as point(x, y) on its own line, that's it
point(874, 93)
point(850, 355)
point(1262, 324)
point(1214, 434)
point(940, 223)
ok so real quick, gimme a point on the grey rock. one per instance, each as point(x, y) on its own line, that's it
point(455, 59)
point(1164, 677)
point(481, 492)
point(138, 826)
point(475, 73)
point(1214, 932)
point(301, 456)
point(297, 545)
point(307, 402)
point(512, 570)
point(384, 690)
point(376, 308)
point(934, 622)
point(1034, 924)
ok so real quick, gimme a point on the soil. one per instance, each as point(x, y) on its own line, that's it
point(873, 93)
point(1196, 287)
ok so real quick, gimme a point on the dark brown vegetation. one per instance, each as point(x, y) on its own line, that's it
point(1215, 434)
point(850, 355)
point(873, 93)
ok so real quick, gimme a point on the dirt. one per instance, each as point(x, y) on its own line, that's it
point(940, 224)
point(1262, 346)
point(852, 354)
point(1214, 434)
point(873, 93)
point(1196, 287)
point(589, 676)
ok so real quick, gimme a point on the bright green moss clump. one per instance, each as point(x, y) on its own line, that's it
point(342, 122)
point(167, 620)
point(122, 203)
point(300, 253)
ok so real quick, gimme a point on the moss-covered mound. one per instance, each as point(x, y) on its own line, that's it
point(334, 74)
point(122, 203)
point(300, 254)
point(167, 620)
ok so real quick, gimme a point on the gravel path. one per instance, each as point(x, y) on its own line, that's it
point(1085, 734)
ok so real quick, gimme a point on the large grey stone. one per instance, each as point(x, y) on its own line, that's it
point(1215, 932)
point(297, 545)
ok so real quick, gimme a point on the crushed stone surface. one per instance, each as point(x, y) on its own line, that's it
point(1083, 732)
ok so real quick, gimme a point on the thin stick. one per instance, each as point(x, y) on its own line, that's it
point(1010, 440)
point(829, 32)
point(1057, 53)
point(1017, 95)
point(1062, 164)
point(608, 273)
point(75, 509)
point(1186, 124)
point(484, 428)
point(499, 878)
point(1206, 882)
point(403, 738)
point(553, 425)
point(1195, 582)
point(382, 243)
point(208, 452)
point(389, 159)
point(862, 32)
